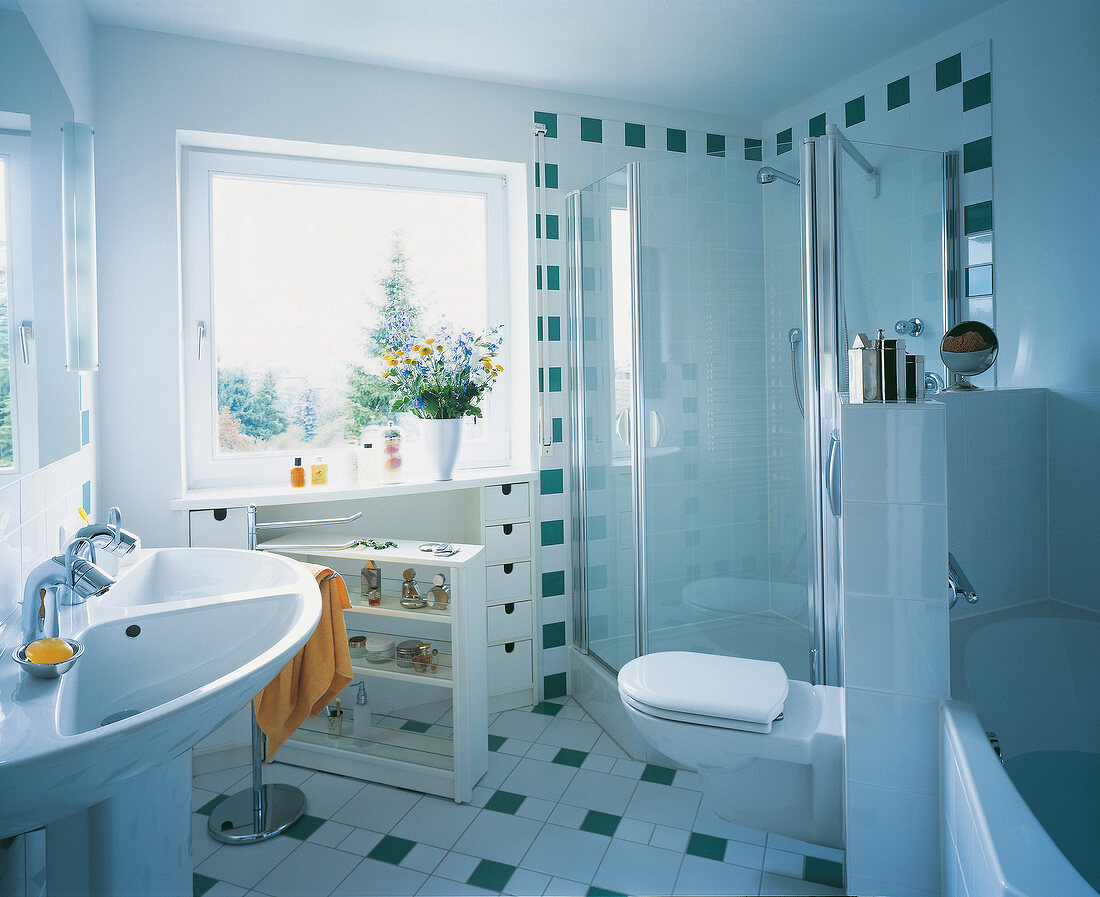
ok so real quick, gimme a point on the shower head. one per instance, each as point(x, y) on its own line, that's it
point(767, 174)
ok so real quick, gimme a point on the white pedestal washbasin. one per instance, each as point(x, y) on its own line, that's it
point(184, 640)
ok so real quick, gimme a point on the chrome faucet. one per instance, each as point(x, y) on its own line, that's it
point(957, 583)
point(110, 536)
point(65, 579)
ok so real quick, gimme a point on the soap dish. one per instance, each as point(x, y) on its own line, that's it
point(48, 670)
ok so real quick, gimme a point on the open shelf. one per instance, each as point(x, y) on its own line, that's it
point(441, 678)
point(389, 740)
point(391, 607)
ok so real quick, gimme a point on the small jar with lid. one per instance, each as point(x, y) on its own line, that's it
point(409, 650)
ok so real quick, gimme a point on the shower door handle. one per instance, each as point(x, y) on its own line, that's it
point(656, 429)
point(832, 474)
point(622, 426)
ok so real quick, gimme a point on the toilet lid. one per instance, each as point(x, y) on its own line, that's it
point(706, 685)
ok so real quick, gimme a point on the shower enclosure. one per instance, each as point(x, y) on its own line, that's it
point(712, 300)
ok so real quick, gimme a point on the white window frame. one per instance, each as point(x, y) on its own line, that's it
point(15, 146)
point(203, 158)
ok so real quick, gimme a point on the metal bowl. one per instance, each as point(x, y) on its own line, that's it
point(48, 670)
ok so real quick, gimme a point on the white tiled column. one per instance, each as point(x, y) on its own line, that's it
point(894, 533)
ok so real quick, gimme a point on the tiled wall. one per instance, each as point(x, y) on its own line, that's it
point(894, 538)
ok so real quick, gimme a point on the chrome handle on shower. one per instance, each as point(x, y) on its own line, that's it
point(832, 474)
point(622, 426)
point(656, 429)
point(794, 337)
point(26, 334)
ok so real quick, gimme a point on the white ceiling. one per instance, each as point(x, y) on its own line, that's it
point(749, 58)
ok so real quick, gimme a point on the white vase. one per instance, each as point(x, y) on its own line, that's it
point(442, 440)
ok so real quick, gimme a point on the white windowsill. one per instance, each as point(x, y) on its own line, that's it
point(239, 496)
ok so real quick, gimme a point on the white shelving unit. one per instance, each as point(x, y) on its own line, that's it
point(429, 729)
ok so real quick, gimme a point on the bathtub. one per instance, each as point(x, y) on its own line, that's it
point(1030, 675)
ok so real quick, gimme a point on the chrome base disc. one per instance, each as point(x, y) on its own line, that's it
point(241, 819)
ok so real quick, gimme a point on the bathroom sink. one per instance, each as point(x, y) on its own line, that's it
point(159, 672)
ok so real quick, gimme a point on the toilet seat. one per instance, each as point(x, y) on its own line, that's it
point(706, 689)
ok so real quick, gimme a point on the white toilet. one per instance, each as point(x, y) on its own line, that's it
point(770, 750)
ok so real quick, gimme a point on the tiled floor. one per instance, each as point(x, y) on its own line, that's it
point(561, 811)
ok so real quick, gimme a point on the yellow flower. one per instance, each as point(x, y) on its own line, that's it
point(438, 348)
point(425, 350)
point(498, 368)
point(392, 362)
point(429, 341)
point(408, 361)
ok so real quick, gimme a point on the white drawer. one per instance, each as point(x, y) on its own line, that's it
point(506, 581)
point(510, 622)
point(508, 541)
point(509, 665)
point(507, 502)
point(221, 528)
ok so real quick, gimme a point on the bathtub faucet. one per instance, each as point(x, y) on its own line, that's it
point(957, 583)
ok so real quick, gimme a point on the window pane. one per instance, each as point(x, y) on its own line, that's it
point(7, 449)
point(302, 276)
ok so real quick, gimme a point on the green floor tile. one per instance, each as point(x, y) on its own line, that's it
point(496, 742)
point(570, 757)
point(707, 846)
point(602, 892)
point(823, 872)
point(200, 884)
point(207, 808)
point(305, 827)
point(391, 850)
point(659, 775)
point(547, 708)
point(505, 802)
point(414, 725)
point(491, 876)
point(601, 823)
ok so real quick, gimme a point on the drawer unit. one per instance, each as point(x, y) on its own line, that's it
point(510, 622)
point(508, 501)
point(503, 582)
point(508, 541)
point(509, 665)
point(218, 528)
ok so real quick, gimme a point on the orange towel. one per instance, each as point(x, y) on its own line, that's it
point(315, 675)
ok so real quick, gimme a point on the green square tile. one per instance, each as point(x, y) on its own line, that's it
point(593, 891)
point(540, 380)
point(415, 725)
point(592, 130)
point(553, 636)
point(555, 429)
point(784, 142)
point(635, 135)
point(978, 217)
point(491, 876)
point(551, 175)
point(553, 328)
point(754, 151)
point(305, 827)
point(817, 125)
point(550, 119)
point(553, 583)
point(86, 496)
point(391, 850)
point(949, 71)
point(200, 884)
point(552, 228)
point(553, 277)
point(552, 482)
point(897, 93)
point(977, 154)
point(555, 379)
point(547, 708)
point(707, 846)
point(823, 872)
point(496, 742)
point(716, 145)
point(554, 686)
point(538, 277)
point(676, 140)
point(570, 757)
point(601, 823)
point(976, 92)
point(505, 802)
point(659, 775)
point(553, 532)
point(207, 808)
point(855, 111)
point(538, 328)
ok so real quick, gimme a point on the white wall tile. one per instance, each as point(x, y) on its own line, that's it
point(894, 835)
point(896, 645)
point(886, 546)
point(876, 722)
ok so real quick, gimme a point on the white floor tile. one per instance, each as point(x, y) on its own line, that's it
point(221, 781)
point(566, 853)
point(200, 797)
point(670, 838)
point(563, 887)
point(637, 869)
point(374, 879)
point(480, 796)
point(377, 808)
point(700, 876)
point(569, 816)
point(517, 747)
point(782, 862)
point(600, 791)
point(664, 804)
point(285, 774)
point(423, 858)
point(246, 864)
point(605, 744)
point(541, 751)
point(537, 779)
point(435, 821)
point(687, 779)
point(360, 842)
point(571, 711)
point(525, 883)
point(751, 856)
point(575, 734)
point(331, 834)
point(598, 763)
point(707, 822)
point(629, 769)
point(310, 871)
point(498, 836)
point(636, 830)
point(444, 887)
point(225, 889)
point(325, 793)
point(457, 866)
point(520, 724)
point(202, 845)
point(500, 765)
point(782, 886)
point(536, 808)
point(793, 845)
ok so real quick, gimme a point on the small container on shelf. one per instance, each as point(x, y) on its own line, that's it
point(410, 650)
point(390, 457)
point(371, 586)
point(318, 472)
point(378, 649)
point(297, 475)
point(360, 720)
point(334, 718)
point(357, 645)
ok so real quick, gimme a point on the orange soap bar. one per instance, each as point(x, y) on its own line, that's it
point(49, 650)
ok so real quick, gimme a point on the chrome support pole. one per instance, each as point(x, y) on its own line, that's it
point(576, 423)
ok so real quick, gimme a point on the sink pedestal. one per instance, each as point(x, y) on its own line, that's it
point(136, 843)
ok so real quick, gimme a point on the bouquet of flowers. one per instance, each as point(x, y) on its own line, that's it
point(443, 376)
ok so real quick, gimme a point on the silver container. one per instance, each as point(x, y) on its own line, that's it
point(48, 670)
point(409, 649)
point(914, 378)
point(893, 369)
point(864, 370)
